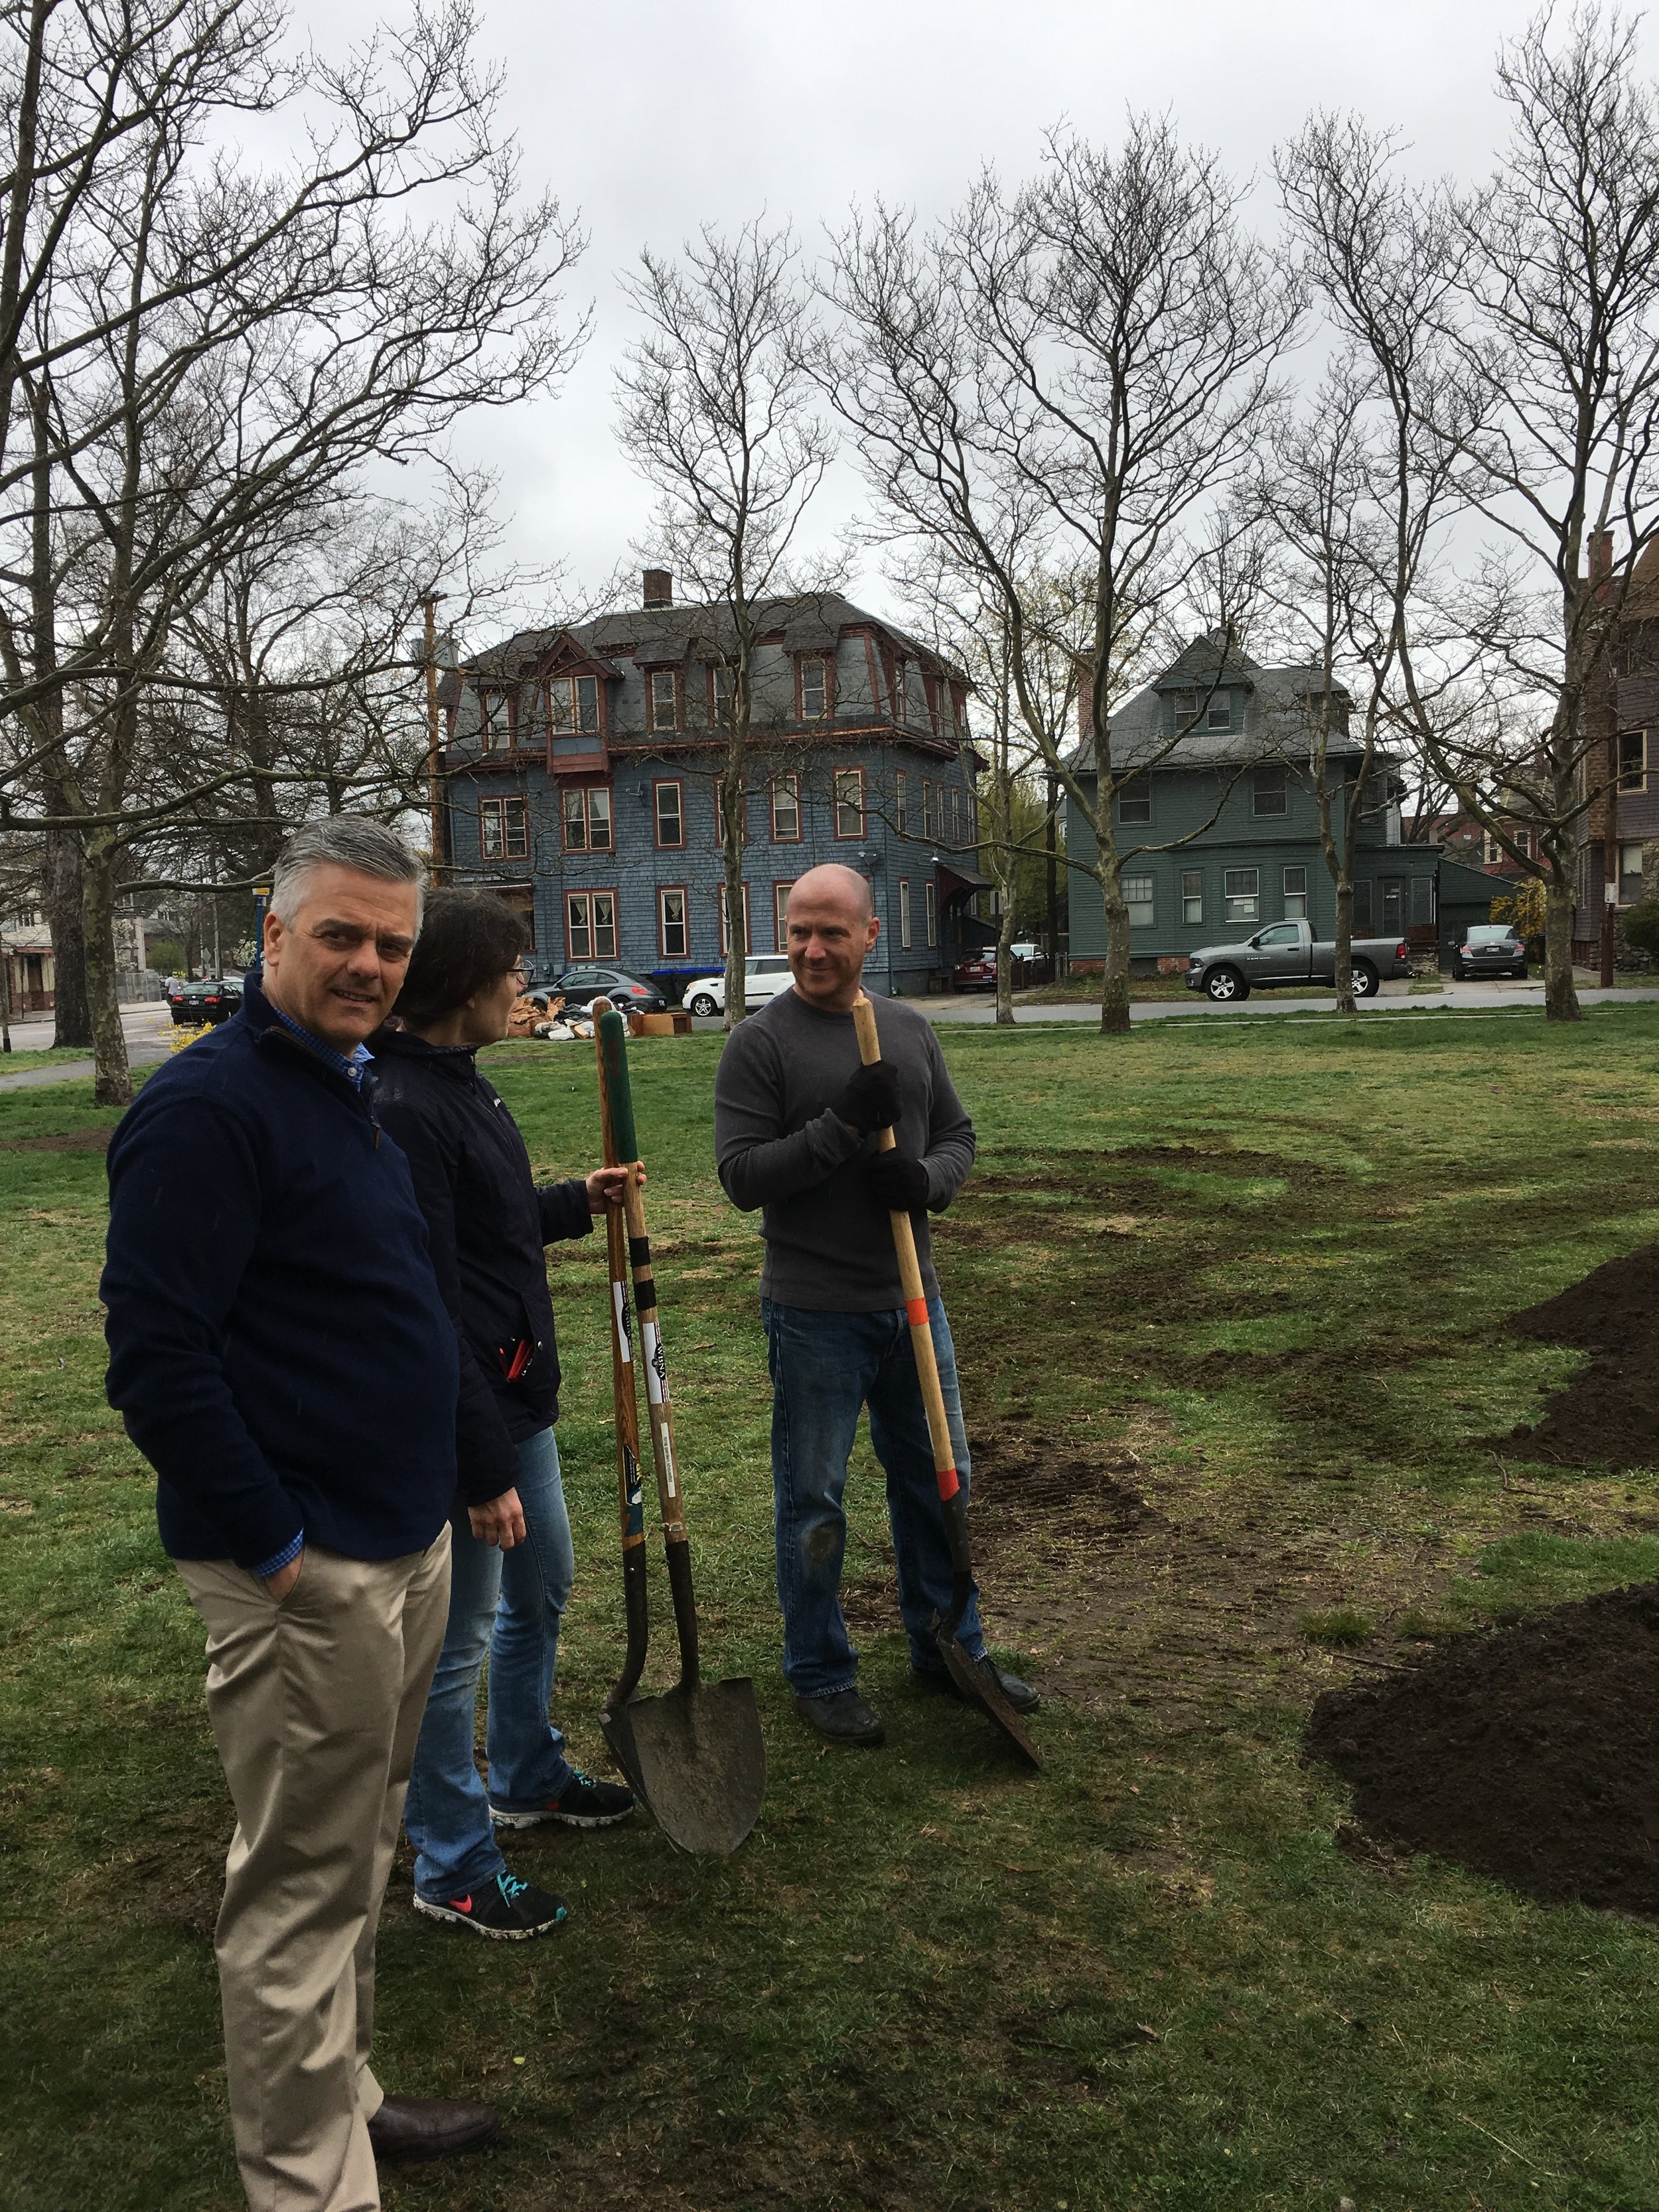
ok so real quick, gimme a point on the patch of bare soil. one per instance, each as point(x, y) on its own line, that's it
point(1529, 1753)
point(75, 1140)
point(1609, 1414)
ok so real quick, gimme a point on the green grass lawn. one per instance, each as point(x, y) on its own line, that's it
point(1227, 1302)
point(17, 1063)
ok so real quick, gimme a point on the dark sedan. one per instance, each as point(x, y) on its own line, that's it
point(578, 987)
point(1490, 948)
point(209, 999)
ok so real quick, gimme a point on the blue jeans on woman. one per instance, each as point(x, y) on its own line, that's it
point(510, 1603)
point(825, 1368)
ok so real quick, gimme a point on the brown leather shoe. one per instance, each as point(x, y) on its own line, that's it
point(430, 2127)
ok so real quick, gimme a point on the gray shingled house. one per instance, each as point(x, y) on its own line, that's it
point(579, 773)
point(1237, 790)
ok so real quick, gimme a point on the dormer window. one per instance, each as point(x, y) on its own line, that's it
point(814, 688)
point(721, 686)
point(573, 704)
point(495, 723)
point(1186, 709)
point(1219, 715)
point(662, 700)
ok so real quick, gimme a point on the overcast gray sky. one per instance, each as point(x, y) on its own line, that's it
point(653, 116)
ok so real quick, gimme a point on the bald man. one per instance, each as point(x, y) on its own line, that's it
point(795, 1117)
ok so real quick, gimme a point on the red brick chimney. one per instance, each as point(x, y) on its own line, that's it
point(659, 588)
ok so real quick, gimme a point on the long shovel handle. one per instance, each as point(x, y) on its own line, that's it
point(671, 1502)
point(921, 1343)
point(625, 1401)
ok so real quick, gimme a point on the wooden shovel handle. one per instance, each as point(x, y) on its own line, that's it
point(916, 1308)
point(625, 1402)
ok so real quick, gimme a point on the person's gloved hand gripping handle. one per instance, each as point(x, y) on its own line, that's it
point(872, 1098)
point(871, 1101)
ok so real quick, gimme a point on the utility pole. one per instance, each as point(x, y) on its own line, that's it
point(434, 780)
point(1052, 837)
point(5, 994)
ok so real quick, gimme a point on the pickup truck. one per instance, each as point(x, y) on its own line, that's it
point(1287, 952)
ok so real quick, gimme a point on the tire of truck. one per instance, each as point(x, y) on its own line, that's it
point(1365, 980)
point(1226, 986)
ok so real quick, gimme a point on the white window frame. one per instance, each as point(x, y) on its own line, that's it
point(1296, 894)
point(780, 915)
point(1238, 904)
point(844, 777)
point(1269, 791)
point(904, 914)
point(822, 687)
point(930, 900)
point(572, 706)
point(511, 816)
point(682, 922)
point(659, 814)
point(1135, 791)
point(583, 816)
point(1191, 899)
point(591, 926)
point(790, 784)
point(901, 801)
point(655, 680)
point(1140, 891)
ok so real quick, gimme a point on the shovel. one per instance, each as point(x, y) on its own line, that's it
point(974, 1678)
point(696, 1752)
point(625, 1401)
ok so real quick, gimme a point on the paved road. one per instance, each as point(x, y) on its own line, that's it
point(148, 1028)
point(1392, 999)
point(149, 1032)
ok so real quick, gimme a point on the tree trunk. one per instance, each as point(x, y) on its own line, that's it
point(1004, 965)
point(1560, 995)
point(61, 896)
point(737, 937)
point(1345, 997)
point(1115, 984)
point(112, 1081)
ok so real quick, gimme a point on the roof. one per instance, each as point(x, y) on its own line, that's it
point(807, 622)
point(1277, 719)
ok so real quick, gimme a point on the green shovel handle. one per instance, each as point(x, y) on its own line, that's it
point(613, 1046)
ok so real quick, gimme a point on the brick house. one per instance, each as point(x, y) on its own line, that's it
point(1237, 788)
point(579, 773)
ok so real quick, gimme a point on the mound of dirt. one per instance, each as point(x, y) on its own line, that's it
point(77, 1140)
point(1529, 1753)
point(1608, 1415)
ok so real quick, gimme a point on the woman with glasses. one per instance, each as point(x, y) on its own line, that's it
point(488, 1223)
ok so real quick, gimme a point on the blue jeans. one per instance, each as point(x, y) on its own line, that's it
point(825, 1368)
point(509, 1602)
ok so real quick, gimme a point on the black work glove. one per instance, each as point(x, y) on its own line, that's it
point(870, 1101)
point(899, 1182)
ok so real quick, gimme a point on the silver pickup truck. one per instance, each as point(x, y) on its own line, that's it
point(1287, 952)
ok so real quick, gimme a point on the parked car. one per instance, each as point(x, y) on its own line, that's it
point(1027, 949)
point(1287, 952)
point(765, 975)
point(1490, 948)
point(978, 972)
point(210, 999)
point(579, 986)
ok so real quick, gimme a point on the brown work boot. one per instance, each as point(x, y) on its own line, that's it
point(430, 2127)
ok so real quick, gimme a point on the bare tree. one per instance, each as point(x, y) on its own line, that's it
point(717, 413)
point(1560, 291)
point(1359, 489)
point(256, 342)
point(1074, 375)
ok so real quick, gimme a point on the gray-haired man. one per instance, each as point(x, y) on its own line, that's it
point(284, 1359)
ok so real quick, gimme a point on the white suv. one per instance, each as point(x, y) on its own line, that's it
point(764, 975)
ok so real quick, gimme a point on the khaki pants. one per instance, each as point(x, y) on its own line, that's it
point(315, 1704)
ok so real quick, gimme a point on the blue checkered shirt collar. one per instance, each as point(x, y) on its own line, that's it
point(351, 1069)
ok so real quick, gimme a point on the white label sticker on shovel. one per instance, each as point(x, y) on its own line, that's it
point(622, 1323)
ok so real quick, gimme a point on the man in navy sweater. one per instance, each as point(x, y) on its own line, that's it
point(282, 1356)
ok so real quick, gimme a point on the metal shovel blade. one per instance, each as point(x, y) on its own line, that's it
point(977, 1680)
point(619, 1734)
point(701, 1762)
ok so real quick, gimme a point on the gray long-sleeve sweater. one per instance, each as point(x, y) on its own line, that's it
point(779, 1146)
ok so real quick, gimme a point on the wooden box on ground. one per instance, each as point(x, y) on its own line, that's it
point(676, 1023)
